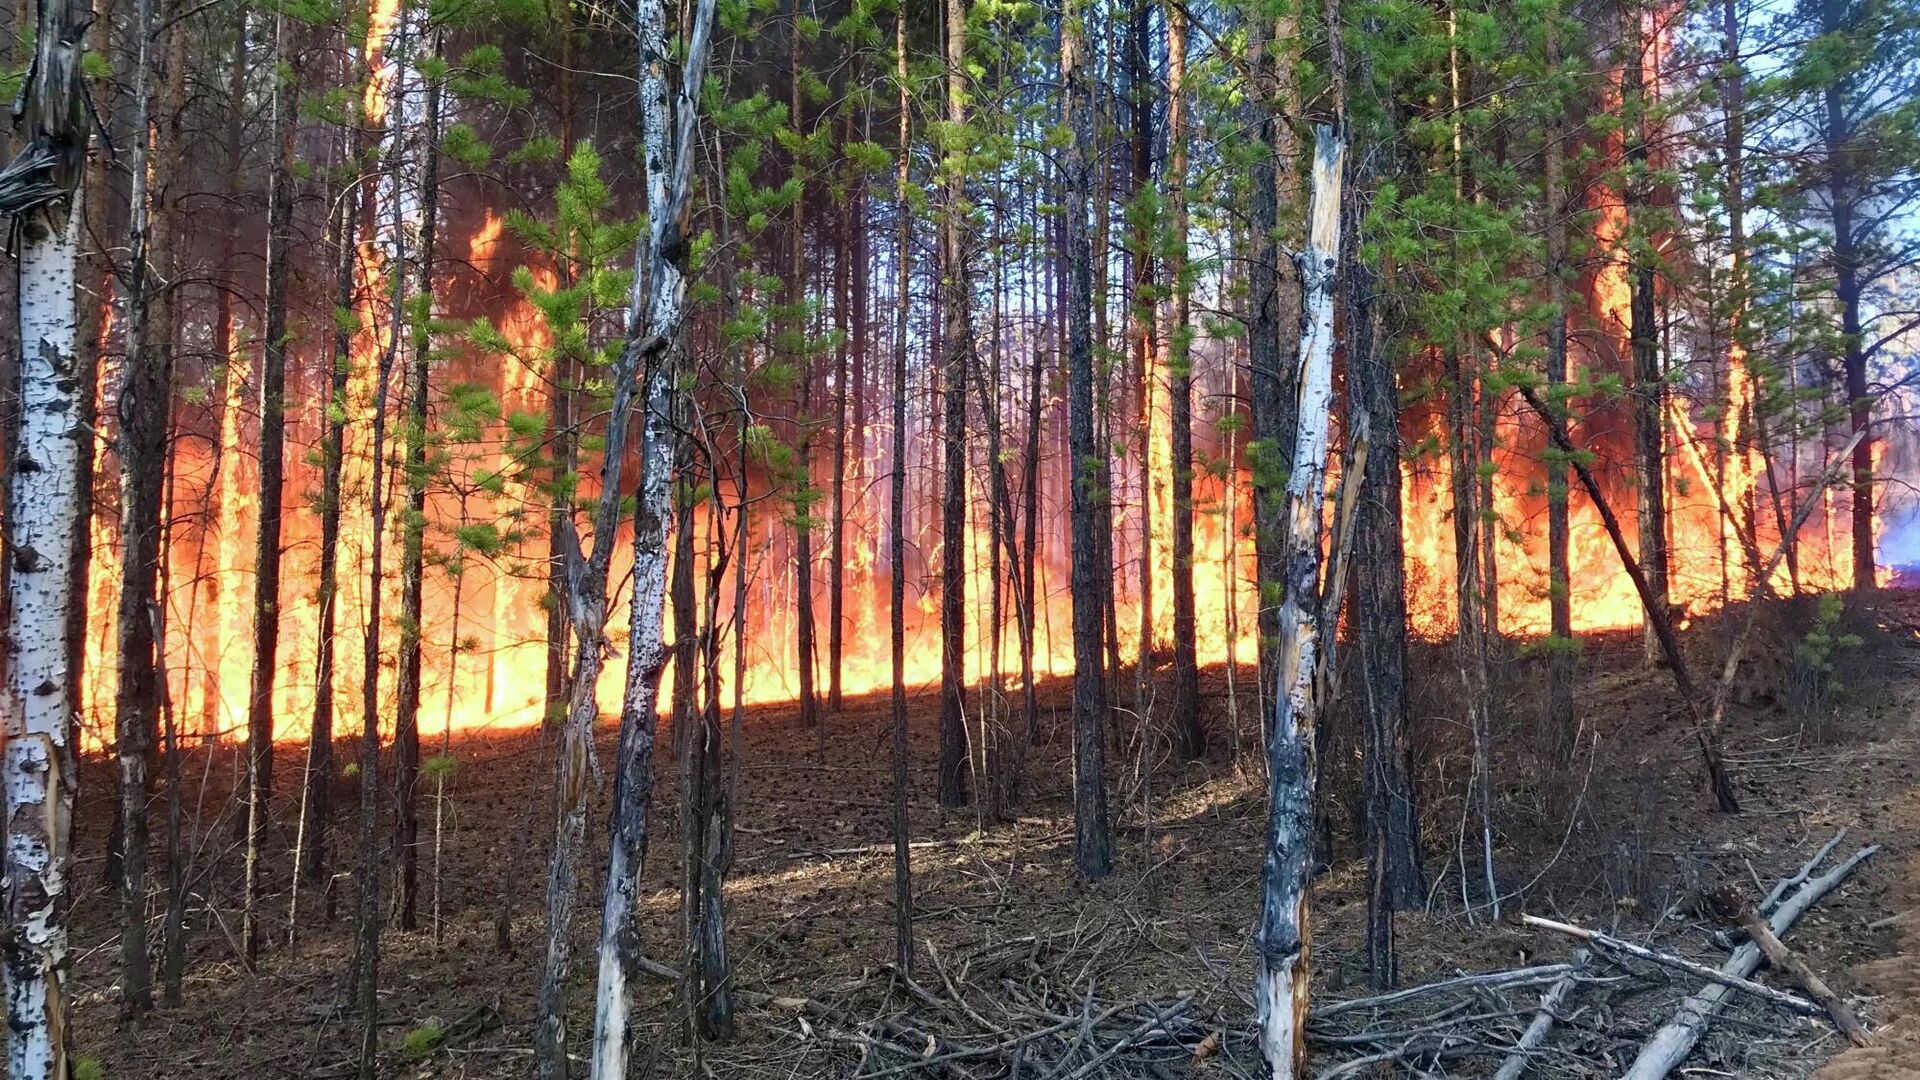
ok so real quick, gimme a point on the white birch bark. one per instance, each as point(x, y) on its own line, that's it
point(1281, 989)
point(41, 187)
point(658, 305)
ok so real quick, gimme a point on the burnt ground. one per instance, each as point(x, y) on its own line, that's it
point(1010, 936)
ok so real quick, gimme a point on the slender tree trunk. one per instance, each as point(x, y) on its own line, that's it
point(1189, 735)
point(897, 510)
point(316, 810)
point(1274, 306)
point(272, 444)
point(406, 726)
point(1394, 878)
point(42, 516)
point(836, 584)
point(1141, 332)
point(1561, 647)
point(658, 306)
point(1092, 836)
point(1842, 201)
point(366, 959)
point(1281, 989)
point(801, 349)
point(143, 403)
point(1649, 376)
point(956, 347)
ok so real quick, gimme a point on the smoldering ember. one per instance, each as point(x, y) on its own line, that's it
point(998, 539)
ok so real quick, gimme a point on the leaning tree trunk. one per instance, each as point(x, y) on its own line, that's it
point(1092, 835)
point(670, 114)
point(40, 191)
point(316, 805)
point(1281, 989)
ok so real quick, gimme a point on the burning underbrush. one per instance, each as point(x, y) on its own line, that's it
point(1152, 967)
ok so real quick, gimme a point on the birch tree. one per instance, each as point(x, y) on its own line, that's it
point(656, 307)
point(40, 191)
point(1281, 990)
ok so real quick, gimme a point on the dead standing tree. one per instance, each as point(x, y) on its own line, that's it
point(1281, 989)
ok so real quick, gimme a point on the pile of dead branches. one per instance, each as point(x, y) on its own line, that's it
point(1022, 1010)
point(1561, 1017)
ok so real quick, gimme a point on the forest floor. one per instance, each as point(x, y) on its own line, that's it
point(1009, 935)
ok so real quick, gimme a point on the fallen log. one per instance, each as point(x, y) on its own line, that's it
point(1489, 980)
point(1670, 1045)
point(1535, 1036)
point(1727, 939)
point(1729, 904)
point(1730, 980)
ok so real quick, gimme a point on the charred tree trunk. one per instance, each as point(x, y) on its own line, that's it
point(1282, 979)
point(1394, 878)
point(956, 346)
point(658, 306)
point(1092, 835)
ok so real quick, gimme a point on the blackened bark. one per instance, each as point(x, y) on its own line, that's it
point(1394, 878)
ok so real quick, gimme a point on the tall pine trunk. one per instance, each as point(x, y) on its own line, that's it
point(956, 346)
point(1091, 577)
point(897, 518)
point(1560, 645)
